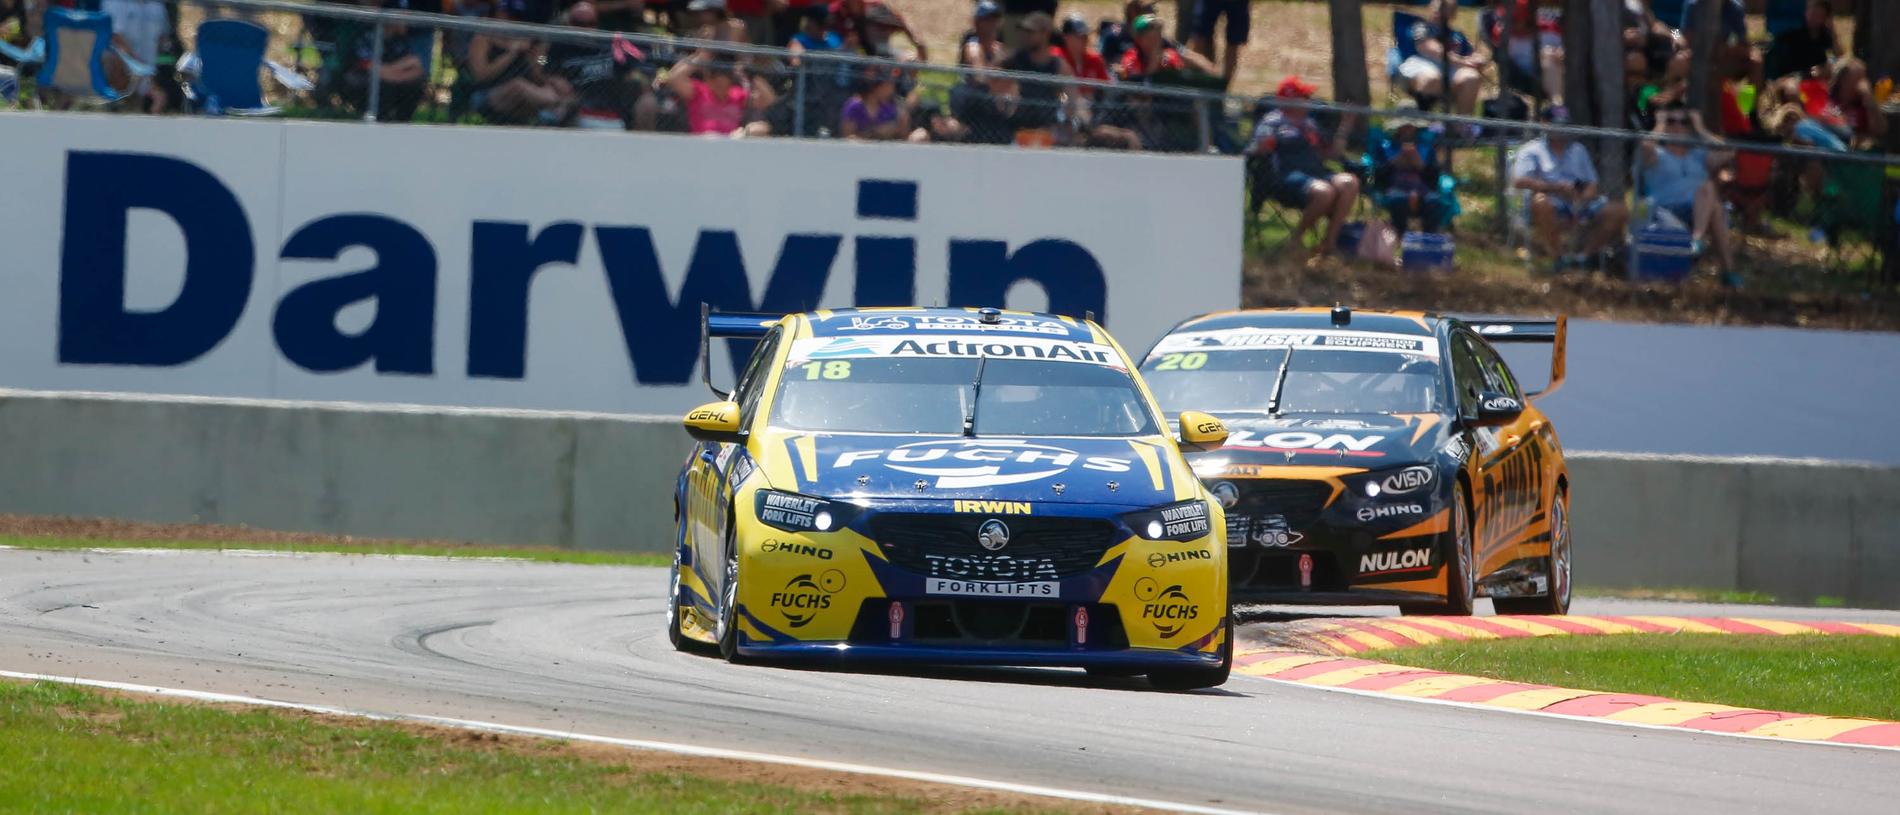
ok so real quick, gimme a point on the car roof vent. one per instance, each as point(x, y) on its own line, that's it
point(990, 316)
point(1341, 315)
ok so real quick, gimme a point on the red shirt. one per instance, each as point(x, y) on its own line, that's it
point(745, 8)
point(1132, 64)
point(1090, 66)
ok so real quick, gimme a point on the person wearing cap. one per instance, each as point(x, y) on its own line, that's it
point(981, 103)
point(1037, 102)
point(1207, 15)
point(1287, 159)
point(1556, 174)
point(1118, 38)
point(1151, 53)
point(852, 20)
point(710, 21)
point(1013, 13)
point(1084, 61)
point(1406, 174)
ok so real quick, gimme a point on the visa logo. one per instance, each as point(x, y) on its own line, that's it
point(659, 323)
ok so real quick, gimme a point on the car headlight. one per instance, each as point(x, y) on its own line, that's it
point(1415, 481)
point(1182, 521)
point(802, 513)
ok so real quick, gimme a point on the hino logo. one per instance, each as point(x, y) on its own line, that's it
point(1407, 480)
point(1374, 513)
point(993, 534)
point(1408, 560)
point(963, 463)
point(1160, 559)
point(992, 567)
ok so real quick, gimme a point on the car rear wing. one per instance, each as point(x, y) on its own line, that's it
point(736, 325)
point(1550, 331)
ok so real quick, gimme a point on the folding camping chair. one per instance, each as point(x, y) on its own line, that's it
point(75, 43)
point(223, 69)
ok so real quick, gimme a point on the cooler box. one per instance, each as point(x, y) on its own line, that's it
point(1661, 253)
point(1349, 236)
point(1426, 252)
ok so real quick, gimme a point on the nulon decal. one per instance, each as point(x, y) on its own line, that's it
point(1300, 441)
point(1405, 560)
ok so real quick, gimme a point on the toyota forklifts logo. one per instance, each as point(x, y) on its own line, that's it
point(993, 534)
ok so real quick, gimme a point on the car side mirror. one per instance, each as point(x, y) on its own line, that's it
point(714, 421)
point(1202, 432)
point(1496, 409)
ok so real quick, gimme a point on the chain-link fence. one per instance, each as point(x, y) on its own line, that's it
point(1322, 177)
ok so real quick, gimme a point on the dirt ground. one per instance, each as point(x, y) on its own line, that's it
point(107, 529)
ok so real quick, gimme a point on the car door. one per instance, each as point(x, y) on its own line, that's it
point(710, 476)
point(1516, 468)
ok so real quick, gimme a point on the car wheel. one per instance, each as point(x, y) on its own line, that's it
point(729, 602)
point(1112, 671)
point(1556, 569)
point(675, 618)
point(1178, 679)
point(1461, 587)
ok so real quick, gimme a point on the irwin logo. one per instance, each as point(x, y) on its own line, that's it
point(992, 507)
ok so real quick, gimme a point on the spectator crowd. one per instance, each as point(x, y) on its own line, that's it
point(1799, 87)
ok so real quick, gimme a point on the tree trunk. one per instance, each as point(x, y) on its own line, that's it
point(1579, 92)
point(1183, 21)
point(1606, 67)
point(1704, 42)
point(1883, 60)
point(1350, 80)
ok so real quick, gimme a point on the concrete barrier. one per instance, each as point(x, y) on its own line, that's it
point(1798, 530)
point(1795, 529)
point(490, 476)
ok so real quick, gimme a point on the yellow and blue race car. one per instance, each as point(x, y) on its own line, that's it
point(949, 486)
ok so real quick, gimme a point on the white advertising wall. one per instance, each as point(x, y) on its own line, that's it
point(495, 267)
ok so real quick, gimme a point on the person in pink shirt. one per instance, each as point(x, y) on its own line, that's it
point(712, 92)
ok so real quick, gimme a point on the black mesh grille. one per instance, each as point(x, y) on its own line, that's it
point(917, 542)
point(1298, 501)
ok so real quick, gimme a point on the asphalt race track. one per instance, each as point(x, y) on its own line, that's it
point(580, 648)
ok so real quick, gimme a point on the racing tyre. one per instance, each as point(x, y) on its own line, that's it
point(1461, 587)
point(1178, 679)
point(1112, 671)
point(1557, 569)
point(729, 602)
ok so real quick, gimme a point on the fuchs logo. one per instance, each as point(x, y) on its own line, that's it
point(941, 322)
point(795, 548)
point(993, 534)
point(805, 596)
point(1160, 559)
point(1226, 493)
point(1406, 560)
point(964, 463)
point(992, 567)
point(1168, 609)
point(1407, 480)
point(1369, 514)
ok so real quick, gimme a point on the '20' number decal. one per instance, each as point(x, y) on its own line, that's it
point(833, 369)
point(1190, 361)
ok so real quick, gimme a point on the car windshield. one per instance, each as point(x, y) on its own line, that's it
point(932, 395)
point(1317, 381)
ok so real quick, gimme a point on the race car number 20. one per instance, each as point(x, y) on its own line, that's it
point(983, 588)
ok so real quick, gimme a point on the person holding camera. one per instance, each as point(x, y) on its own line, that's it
point(1560, 179)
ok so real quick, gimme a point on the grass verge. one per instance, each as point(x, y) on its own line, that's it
point(367, 547)
point(1814, 673)
point(69, 749)
point(1688, 595)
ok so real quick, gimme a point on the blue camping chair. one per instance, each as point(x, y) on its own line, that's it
point(74, 44)
point(1403, 48)
point(224, 69)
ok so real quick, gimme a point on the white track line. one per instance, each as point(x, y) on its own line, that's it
point(1593, 719)
point(643, 744)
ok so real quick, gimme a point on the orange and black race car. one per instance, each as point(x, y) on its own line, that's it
point(1377, 458)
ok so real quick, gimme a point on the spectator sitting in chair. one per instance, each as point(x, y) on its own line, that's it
point(1422, 73)
point(1405, 177)
point(1294, 166)
point(510, 85)
point(715, 96)
point(1150, 53)
point(1860, 111)
point(1679, 180)
point(1561, 181)
point(875, 113)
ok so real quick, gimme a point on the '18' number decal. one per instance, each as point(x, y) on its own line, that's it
point(834, 369)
